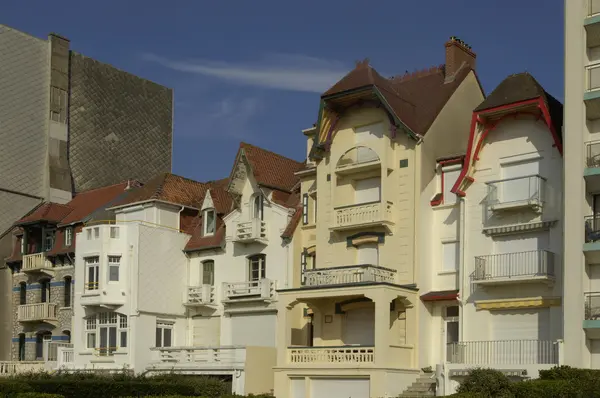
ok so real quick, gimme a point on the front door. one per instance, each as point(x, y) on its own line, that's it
point(451, 332)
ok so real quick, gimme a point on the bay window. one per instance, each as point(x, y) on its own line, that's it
point(106, 332)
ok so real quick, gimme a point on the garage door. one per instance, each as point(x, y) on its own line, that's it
point(359, 327)
point(206, 331)
point(253, 330)
point(298, 387)
point(339, 388)
point(519, 336)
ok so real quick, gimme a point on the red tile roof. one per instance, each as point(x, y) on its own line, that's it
point(199, 242)
point(288, 233)
point(47, 211)
point(171, 188)
point(86, 202)
point(270, 169)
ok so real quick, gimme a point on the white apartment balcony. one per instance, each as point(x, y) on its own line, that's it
point(349, 275)
point(363, 215)
point(591, 322)
point(344, 355)
point(591, 172)
point(503, 352)
point(40, 312)
point(254, 230)
point(591, 95)
point(204, 357)
point(37, 263)
point(198, 296)
point(58, 354)
point(523, 267)
point(516, 194)
point(261, 290)
point(592, 23)
point(96, 294)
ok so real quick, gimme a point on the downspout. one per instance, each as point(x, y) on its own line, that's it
point(462, 267)
point(179, 218)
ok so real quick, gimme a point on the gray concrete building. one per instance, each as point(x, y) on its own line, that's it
point(69, 123)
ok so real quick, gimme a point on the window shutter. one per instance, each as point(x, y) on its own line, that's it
point(305, 209)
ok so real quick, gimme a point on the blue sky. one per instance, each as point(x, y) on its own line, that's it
point(253, 70)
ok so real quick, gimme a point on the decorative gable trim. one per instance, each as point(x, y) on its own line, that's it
point(208, 202)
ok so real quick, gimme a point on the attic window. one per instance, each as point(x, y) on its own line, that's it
point(209, 220)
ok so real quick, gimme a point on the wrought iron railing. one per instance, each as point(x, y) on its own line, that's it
point(592, 228)
point(592, 152)
point(592, 306)
point(503, 352)
point(530, 263)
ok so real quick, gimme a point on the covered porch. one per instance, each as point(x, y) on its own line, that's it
point(347, 327)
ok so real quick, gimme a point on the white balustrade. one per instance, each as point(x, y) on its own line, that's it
point(503, 352)
point(332, 355)
point(65, 357)
point(204, 294)
point(264, 289)
point(255, 229)
point(32, 262)
point(360, 214)
point(202, 355)
point(348, 275)
point(11, 368)
point(36, 312)
point(51, 351)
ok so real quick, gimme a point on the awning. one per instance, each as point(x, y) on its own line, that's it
point(440, 295)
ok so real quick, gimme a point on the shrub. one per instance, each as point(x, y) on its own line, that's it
point(568, 373)
point(36, 395)
point(12, 386)
point(547, 389)
point(486, 382)
point(210, 387)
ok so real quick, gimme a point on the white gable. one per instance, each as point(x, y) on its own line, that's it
point(208, 202)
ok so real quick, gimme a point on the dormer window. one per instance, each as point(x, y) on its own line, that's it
point(48, 240)
point(68, 236)
point(257, 207)
point(209, 222)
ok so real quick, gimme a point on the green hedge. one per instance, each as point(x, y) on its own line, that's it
point(35, 395)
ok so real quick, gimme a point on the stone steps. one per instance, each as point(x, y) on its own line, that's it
point(424, 386)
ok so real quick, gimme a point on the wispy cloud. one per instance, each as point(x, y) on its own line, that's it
point(291, 72)
point(229, 118)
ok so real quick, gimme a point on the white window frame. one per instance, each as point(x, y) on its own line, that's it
point(305, 209)
point(68, 236)
point(23, 245)
point(114, 232)
point(260, 260)
point(106, 322)
point(48, 240)
point(96, 232)
point(448, 197)
point(89, 234)
point(211, 271)
point(92, 285)
point(114, 262)
point(161, 327)
point(258, 207)
point(444, 269)
point(205, 225)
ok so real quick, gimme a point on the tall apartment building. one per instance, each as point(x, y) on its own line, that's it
point(349, 326)
point(69, 123)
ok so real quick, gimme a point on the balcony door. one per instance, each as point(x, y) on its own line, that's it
point(41, 344)
point(367, 190)
point(359, 326)
point(451, 333)
point(519, 188)
point(518, 336)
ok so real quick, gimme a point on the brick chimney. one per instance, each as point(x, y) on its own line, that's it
point(457, 53)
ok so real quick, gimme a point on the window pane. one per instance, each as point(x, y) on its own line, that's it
point(114, 232)
point(123, 339)
point(208, 273)
point(113, 273)
point(450, 256)
point(167, 337)
point(112, 339)
point(158, 337)
point(89, 234)
point(91, 340)
point(210, 221)
point(68, 289)
point(96, 232)
point(452, 311)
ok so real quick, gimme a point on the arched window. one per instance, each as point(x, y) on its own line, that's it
point(106, 332)
point(67, 336)
point(257, 207)
point(45, 291)
point(68, 291)
point(22, 293)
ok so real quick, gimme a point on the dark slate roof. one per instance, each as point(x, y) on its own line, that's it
point(522, 87)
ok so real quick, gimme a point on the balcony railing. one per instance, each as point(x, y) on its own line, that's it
point(503, 352)
point(35, 262)
point(592, 306)
point(592, 153)
point(11, 368)
point(363, 214)
point(261, 289)
point(593, 77)
point(36, 312)
point(253, 230)
point(51, 353)
point(517, 192)
point(210, 356)
point(592, 228)
point(65, 357)
point(348, 275)
point(198, 295)
point(333, 355)
point(536, 263)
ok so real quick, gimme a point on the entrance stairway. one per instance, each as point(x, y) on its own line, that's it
point(423, 387)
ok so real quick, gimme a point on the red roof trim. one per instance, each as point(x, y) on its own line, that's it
point(477, 119)
point(439, 296)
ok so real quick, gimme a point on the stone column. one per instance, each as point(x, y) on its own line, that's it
point(284, 332)
point(382, 329)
